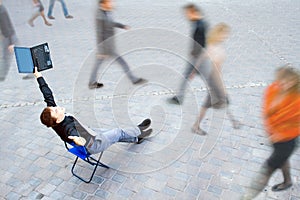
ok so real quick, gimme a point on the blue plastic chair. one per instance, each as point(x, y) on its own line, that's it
point(81, 152)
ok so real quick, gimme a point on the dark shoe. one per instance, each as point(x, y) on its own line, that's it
point(145, 124)
point(174, 100)
point(51, 17)
point(281, 186)
point(144, 134)
point(95, 85)
point(140, 81)
point(69, 17)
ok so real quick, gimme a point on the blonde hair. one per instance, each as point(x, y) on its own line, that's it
point(214, 33)
point(290, 74)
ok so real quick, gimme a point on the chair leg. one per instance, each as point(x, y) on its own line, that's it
point(98, 163)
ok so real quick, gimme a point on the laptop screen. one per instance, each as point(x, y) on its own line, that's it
point(41, 57)
point(24, 60)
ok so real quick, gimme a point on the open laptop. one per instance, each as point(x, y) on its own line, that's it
point(37, 56)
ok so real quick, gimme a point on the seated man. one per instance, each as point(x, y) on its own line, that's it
point(70, 129)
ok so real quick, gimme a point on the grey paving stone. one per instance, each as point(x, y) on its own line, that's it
point(98, 180)
point(177, 184)
point(215, 189)
point(133, 185)
point(14, 182)
point(13, 196)
point(205, 176)
point(79, 195)
point(5, 189)
point(24, 189)
point(125, 193)
point(66, 188)
point(35, 195)
point(192, 190)
point(170, 191)
point(110, 186)
point(45, 189)
point(155, 184)
point(57, 195)
point(103, 194)
point(55, 181)
point(119, 178)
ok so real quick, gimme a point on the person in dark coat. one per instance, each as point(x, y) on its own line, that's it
point(193, 14)
point(105, 29)
point(8, 39)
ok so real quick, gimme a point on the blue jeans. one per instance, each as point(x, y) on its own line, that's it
point(105, 139)
point(63, 4)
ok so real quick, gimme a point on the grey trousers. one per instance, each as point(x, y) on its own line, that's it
point(105, 139)
point(120, 60)
point(5, 58)
point(203, 68)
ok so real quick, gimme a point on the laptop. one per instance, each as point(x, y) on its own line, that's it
point(37, 56)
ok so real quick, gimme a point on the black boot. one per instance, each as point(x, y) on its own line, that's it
point(145, 124)
point(143, 135)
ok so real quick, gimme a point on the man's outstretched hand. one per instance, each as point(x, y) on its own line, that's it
point(36, 73)
point(80, 141)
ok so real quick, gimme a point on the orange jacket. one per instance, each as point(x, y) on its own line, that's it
point(282, 121)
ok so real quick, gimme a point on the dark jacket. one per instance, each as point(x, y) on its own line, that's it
point(199, 36)
point(105, 30)
point(69, 126)
point(6, 26)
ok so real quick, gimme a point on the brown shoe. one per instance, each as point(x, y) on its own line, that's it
point(69, 17)
point(51, 17)
point(48, 24)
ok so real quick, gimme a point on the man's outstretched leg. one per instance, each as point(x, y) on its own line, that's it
point(103, 140)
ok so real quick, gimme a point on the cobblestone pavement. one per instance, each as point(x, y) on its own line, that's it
point(173, 163)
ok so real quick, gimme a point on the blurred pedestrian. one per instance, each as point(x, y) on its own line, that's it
point(106, 45)
point(281, 115)
point(38, 11)
point(8, 39)
point(64, 7)
point(214, 58)
point(199, 25)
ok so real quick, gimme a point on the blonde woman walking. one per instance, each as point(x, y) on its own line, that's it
point(214, 58)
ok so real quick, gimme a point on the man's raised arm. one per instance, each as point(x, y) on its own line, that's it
point(47, 93)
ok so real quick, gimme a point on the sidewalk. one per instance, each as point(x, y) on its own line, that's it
point(173, 163)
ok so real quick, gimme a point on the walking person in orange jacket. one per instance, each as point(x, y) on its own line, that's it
point(281, 114)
